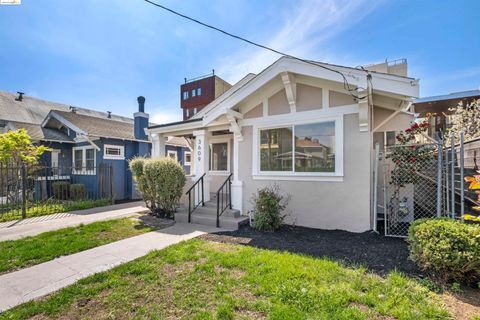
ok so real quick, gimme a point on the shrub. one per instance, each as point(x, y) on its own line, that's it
point(61, 190)
point(160, 181)
point(78, 191)
point(448, 248)
point(268, 207)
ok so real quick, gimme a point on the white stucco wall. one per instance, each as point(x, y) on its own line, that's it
point(341, 205)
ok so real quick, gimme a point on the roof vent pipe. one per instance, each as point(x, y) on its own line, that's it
point(20, 96)
point(141, 104)
point(73, 109)
point(109, 114)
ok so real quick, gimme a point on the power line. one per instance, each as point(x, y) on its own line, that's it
point(346, 85)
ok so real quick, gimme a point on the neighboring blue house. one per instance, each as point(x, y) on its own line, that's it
point(82, 141)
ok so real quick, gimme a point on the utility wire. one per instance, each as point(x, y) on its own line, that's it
point(346, 85)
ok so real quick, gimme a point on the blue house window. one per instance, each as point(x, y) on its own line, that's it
point(113, 152)
point(83, 160)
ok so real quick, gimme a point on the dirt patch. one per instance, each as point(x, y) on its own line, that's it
point(155, 222)
point(377, 253)
point(463, 306)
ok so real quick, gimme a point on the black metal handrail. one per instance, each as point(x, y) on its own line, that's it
point(199, 199)
point(226, 203)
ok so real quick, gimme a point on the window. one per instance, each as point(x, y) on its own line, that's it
point(193, 92)
point(390, 138)
point(84, 160)
point(113, 152)
point(185, 95)
point(187, 112)
point(187, 158)
point(219, 156)
point(199, 91)
point(172, 154)
point(301, 149)
point(194, 110)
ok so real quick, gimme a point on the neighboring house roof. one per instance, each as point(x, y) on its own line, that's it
point(305, 143)
point(92, 126)
point(39, 133)
point(33, 110)
point(450, 96)
point(177, 141)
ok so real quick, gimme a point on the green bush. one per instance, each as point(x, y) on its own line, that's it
point(160, 181)
point(78, 191)
point(448, 248)
point(268, 207)
point(61, 190)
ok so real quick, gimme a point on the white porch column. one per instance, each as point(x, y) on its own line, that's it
point(237, 184)
point(201, 160)
point(158, 145)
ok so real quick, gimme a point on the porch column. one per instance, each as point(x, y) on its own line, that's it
point(237, 184)
point(158, 145)
point(201, 160)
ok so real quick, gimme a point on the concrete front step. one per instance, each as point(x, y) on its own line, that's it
point(230, 219)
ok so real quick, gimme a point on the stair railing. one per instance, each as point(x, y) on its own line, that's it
point(198, 196)
point(225, 193)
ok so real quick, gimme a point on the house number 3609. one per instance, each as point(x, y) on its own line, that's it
point(199, 149)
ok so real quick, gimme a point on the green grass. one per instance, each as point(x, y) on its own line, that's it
point(47, 246)
point(198, 279)
point(51, 207)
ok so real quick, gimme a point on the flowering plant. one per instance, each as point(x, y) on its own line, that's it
point(409, 158)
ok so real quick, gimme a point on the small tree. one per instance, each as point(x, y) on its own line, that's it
point(161, 183)
point(466, 119)
point(16, 151)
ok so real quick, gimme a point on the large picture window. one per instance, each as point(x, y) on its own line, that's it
point(302, 148)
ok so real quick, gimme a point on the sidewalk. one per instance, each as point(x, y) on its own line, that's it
point(13, 230)
point(34, 282)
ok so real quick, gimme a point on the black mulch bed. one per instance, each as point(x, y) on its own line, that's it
point(377, 253)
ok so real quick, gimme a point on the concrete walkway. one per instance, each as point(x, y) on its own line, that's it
point(34, 282)
point(13, 230)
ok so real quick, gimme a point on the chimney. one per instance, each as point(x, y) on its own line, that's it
point(20, 96)
point(140, 120)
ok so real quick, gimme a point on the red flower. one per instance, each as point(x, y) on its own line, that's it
point(408, 130)
point(413, 159)
point(415, 126)
point(413, 147)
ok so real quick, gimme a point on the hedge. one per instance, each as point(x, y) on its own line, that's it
point(447, 248)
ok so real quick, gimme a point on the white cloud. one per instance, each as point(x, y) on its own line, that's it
point(312, 23)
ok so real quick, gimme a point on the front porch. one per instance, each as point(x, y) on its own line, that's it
point(213, 192)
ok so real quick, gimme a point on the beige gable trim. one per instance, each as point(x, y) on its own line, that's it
point(256, 112)
point(340, 99)
point(278, 104)
point(309, 98)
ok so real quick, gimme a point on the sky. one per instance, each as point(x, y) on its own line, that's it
point(102, 54)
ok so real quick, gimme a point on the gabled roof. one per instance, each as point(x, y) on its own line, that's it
point(39, 133)
point(33, 110)
point(393, 85)
point(91, 126)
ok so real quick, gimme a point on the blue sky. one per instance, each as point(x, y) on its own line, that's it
point(102, 54)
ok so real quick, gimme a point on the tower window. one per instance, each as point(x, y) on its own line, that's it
point(193, 93)
point(185, 95)
point(199, 91)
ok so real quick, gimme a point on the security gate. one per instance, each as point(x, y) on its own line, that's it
point(417, 181)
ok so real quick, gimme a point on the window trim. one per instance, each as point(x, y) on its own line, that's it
point(337, 175)
point(169, 152)
point(210, 151)
point(84, 170)
point(113, 157)
point(185, 163)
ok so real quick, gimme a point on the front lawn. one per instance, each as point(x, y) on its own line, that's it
point(51, 207)
point(201, 279)
point(49, 245)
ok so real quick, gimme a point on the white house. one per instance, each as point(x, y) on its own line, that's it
point(295, 124)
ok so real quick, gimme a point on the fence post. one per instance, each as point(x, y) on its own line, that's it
point(452, 145)
point(24, 191)
point(112, 194)
point(375, 188)
point(439, 178)
point(462, 190)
